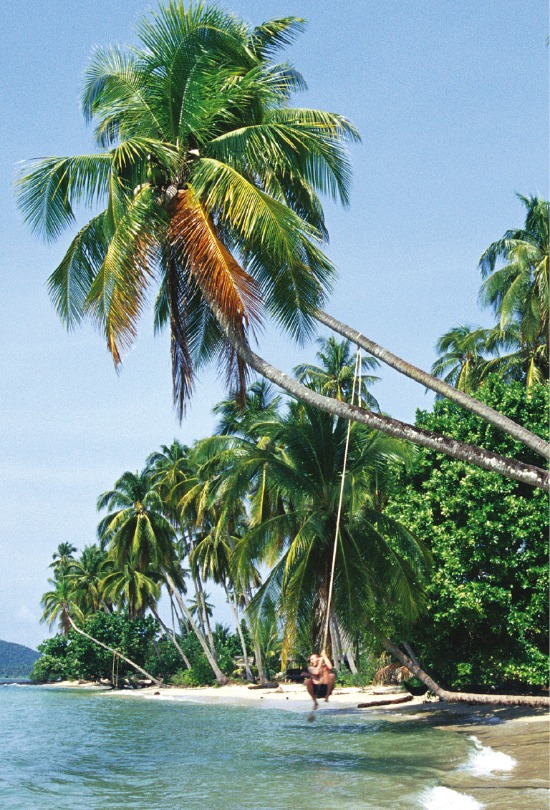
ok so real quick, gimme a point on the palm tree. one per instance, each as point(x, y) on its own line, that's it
point(139, 536)
point(461, 360)
point(136, 531)
point(85, 578)
point(58, 604)
point(210, 181)
point(63, 558)
point(299, 471)
point(336, 374)
point(132, 588)
point(238, 419)
point(519, 289)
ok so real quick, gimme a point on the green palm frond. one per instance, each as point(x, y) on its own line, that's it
point(269, 37)
point(49, 188)
point(70, 283)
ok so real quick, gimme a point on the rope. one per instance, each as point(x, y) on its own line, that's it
point(356, 377)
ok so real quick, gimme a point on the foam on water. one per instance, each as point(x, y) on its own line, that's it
point(442, 798)
point(483, 761)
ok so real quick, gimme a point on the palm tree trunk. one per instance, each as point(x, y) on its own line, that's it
point(114, 652)
point(249, 676)
point(172, 637)
point(221, 679)
point(204, 621)
point(486, 459)
point(461, 697)
point(256, 644)
point(441, 387)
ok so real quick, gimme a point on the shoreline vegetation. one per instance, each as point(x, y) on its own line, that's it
point(328, 524)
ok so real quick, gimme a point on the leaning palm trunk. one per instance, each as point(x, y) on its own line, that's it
point(114, 652)
point(486, 459)
point(204, 621)
point(172, 636)
point(249, 676)
point(411, 663)
point(221, 679)
point(257, 648)
point(441, 387)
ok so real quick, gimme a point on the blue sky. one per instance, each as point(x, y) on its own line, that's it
point(451, 100)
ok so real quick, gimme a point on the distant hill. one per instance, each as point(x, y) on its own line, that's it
point(16, 660)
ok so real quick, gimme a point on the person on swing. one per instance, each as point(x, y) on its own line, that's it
point(321, 678)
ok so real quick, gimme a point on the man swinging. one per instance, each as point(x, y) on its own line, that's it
point(321, 678)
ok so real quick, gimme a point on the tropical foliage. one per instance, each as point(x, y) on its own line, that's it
point(486, 623)
point(209, 182)
point(515, 287)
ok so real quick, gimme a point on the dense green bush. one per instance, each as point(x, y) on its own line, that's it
point(487, 618)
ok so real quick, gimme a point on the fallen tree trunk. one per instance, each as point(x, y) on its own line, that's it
point(462, 697)
point(386, 702)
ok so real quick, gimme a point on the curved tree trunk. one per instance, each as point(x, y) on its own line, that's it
point(114, 652)
point(249, 676)
point(257, 648)
point(441, 387)
point(221, 679)
point(461, 697)
point(486, 459)
point(172, 637)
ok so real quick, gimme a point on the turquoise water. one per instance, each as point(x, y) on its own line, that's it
point(67, 749)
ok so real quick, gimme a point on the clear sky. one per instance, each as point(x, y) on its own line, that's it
point(451, 101)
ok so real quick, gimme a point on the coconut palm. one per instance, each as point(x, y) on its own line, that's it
point(300, 469)
point(336, 373)
point(519, 289)
point(63, 558)
point(462, 357)
point(136, 530)
point(58, 604)
point(517, 358)
point(140, 536)
point(210, 181)
point(85, 578)
point(129, 587)
point(238, 419)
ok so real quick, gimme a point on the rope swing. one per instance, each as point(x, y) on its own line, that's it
point(357, 382)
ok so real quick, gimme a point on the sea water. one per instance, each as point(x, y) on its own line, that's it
point(63, 749)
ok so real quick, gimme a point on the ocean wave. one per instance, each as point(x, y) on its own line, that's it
point(442, 798)
point(484, 760)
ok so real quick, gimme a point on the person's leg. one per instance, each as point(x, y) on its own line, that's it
point(311, 689)
point(331, 677)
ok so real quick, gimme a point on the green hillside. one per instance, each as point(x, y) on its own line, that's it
point(16, 660)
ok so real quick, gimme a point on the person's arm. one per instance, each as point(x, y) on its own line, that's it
point(326, 659)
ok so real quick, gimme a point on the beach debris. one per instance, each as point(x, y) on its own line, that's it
point(387, 702)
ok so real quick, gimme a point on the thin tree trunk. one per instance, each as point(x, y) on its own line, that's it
point(257, 649)
point(115, 652)
point(461, 697)
point(172, 637)
point(486, 459)
point(220, 677)
point(249, 676)
point(201, 602)
point(351, 661)
point(441, 387)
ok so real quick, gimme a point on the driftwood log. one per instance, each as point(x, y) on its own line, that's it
point(386, 702)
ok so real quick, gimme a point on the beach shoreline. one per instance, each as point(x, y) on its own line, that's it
point(510, 745)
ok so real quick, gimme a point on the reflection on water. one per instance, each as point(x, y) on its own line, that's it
point(67, 749)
